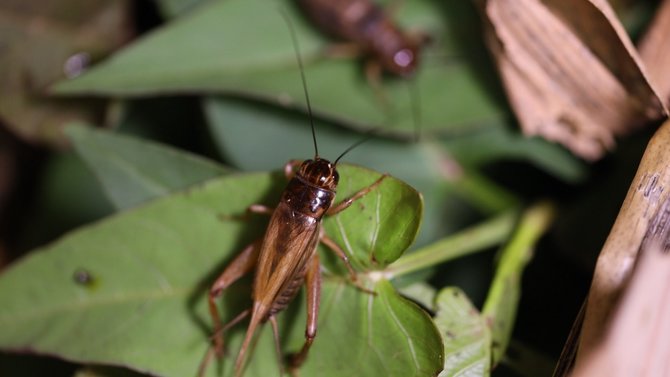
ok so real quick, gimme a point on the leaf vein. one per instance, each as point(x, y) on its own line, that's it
point(410, 343)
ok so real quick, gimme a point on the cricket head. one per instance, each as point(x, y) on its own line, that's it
point(320, 173)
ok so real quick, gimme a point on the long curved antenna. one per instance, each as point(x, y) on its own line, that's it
point(296, 47)
point(370, 133)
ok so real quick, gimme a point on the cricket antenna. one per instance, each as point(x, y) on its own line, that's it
point(296, 48)
point(369, 136)
point(354, 145)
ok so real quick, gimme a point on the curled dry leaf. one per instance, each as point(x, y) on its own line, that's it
point(42, 43)
point(644, 214)
point(571, 73)
point(655, 51)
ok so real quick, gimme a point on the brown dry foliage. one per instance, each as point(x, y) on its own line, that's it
point(570, 71)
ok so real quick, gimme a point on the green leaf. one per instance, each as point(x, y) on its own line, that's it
point(133, 170)
point(473, 239)
point(174, 8)
point(391, 336)
point(130, 290)
point(392, 213)
point(503, 297)
point(421, 293)
point(216, 49)
point(467, 338)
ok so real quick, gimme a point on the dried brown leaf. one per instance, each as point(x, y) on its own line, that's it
point(655, 51)
point(644, 215)
point(42, 41)
point(571, 73)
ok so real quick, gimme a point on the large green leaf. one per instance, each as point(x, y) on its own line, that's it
point(216, 48)
point(130, 290)
point(133, 170)
point(391, 336)
point(392, 214)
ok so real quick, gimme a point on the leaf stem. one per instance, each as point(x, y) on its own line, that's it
point(501, 303)
point(468, 241)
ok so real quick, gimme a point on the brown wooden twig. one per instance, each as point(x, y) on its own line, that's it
point(641, 228)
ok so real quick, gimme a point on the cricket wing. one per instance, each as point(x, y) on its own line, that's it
point(289, 244)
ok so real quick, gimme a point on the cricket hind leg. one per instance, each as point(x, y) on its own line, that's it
point(313, 284)
point(211, 350)
point(275, 335)
point(243, 263)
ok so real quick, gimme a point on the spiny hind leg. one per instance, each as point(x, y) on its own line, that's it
point(313, 284)
point(212, 351)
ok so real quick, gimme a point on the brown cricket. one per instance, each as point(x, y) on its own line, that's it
point(370, 32)
point(286, 257)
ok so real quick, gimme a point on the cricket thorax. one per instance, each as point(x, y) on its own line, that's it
point(304, 198)
point(312, 189)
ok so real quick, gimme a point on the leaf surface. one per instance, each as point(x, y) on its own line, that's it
point(467, 338)
point(134, 170)
point(215, 49)
point(131, 290)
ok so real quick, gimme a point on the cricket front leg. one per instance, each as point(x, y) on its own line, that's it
point(341, 206)
point(313, 284)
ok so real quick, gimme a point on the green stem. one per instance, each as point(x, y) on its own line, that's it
point(470, 240)
point(501, 303)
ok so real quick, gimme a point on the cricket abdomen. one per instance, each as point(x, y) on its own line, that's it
point(288, 294)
